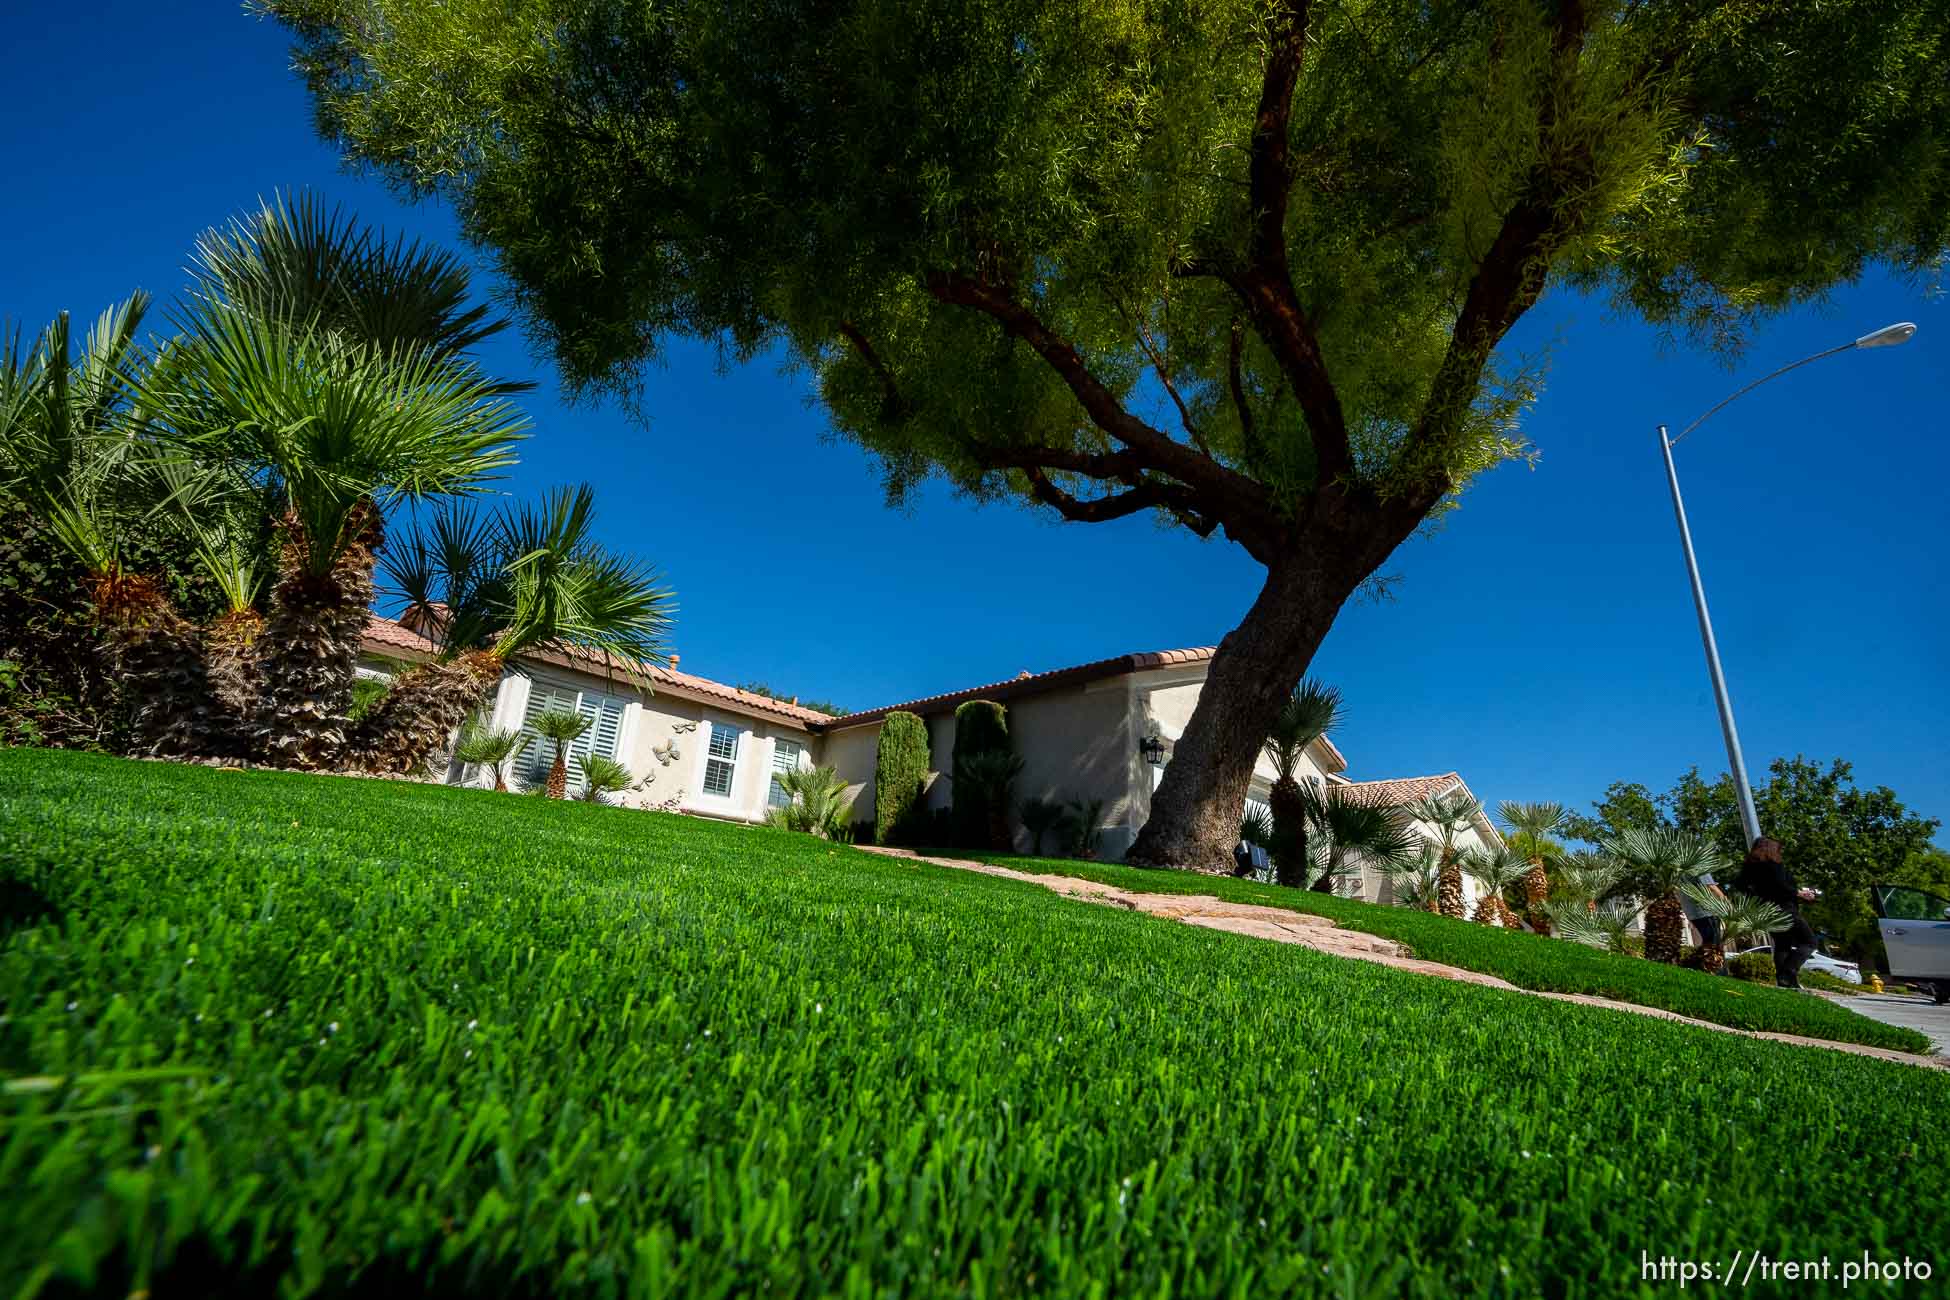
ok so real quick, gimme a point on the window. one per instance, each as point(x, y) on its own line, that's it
point(721, 760)
point(605, 733)
point(785, 758)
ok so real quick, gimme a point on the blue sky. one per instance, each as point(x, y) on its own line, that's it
point(1543, 643)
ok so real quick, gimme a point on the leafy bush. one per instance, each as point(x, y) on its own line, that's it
point(981, 727)
point(1530, 961)
point(1755, 966)
point(270, 1033)
point(900, 777)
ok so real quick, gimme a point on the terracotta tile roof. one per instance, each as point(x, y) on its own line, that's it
point(1033, 683)
point(386, 637)
point(1398, 791)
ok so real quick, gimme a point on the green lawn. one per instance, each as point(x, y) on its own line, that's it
point(311, 1035)
point(1528, 961)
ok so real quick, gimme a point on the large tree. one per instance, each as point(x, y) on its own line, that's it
point(1246, 265)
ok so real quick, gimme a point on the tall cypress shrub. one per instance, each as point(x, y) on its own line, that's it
point(900, 775)
point(981, 727)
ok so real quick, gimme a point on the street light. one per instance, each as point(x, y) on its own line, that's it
point(1887, 336)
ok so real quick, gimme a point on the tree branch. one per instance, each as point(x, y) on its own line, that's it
point(894, 407)
point(1231, 496)
point(1265, 285)
point(1164, 378)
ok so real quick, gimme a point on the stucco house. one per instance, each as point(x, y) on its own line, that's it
point(1099, 732)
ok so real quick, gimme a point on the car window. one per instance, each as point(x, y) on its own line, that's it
point(1901, 903)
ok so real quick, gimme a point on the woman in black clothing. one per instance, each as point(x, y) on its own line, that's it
point(1764, 876)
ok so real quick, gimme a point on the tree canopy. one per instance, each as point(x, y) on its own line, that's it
point(1246, 265)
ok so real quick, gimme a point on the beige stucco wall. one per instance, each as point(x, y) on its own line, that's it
point(678, 725)
point(852, 754)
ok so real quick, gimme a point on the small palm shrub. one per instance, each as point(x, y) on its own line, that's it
point(601, 777)
point(1039, 817)
point(1080, 828)
point(1655, 865)
point(564, 727)
point(1496, 872)
point(818, 804)
point(482, 746)
point(1741, 917)
point(1608, 925)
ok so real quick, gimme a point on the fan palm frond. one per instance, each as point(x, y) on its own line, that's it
point(1605, 927)
point(1313, 710)
point(1450, 814)
point(601, 777)
point(1655, 861)
point(1741, 916)
point(817, 804)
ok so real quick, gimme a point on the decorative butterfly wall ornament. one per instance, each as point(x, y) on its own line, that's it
point(666, 752)
point(681, 727)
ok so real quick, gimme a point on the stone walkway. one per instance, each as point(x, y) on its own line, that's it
point(1322, 935)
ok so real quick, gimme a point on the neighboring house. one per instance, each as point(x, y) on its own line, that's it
point(694, 745)
point(1100, 732)
point(1398, 793)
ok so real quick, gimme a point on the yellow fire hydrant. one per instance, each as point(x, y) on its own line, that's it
point(1875, 982)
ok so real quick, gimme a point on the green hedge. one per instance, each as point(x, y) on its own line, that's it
point(268, 1033)
point(1529, 961)
point(981, 727)
point(900, 775)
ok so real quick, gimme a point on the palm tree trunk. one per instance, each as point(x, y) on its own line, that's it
point(1536, 889)
point(558, 773)
point(1487, 912)
point(1664, 924)
point(1713, 958)
point(1289, 808)
point(230, 650)
point(999, 837)
point(421, 712)
point(1449, 887)
point(311, 649)
point(158, 659)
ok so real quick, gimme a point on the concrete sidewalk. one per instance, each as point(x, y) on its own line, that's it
point(1911, 1012)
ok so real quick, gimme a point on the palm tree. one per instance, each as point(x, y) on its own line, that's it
point(1583, 878)
point(817, 804)
point(992, 774)
point(1418, 879)
point(69, 452)
point(1496, 870)
point(1039, 817)
point(564, 727)
point(1309, 713)
point(1351, 835)
point(488, 588)
point(1532, 826)
point(1741, 916)
point(1605, 926)
point(328, 363)
point(1655, 864)
point(601, 777)
point(1451, 815)
point(483, 746)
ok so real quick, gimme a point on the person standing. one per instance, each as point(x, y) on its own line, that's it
point(1764, 876)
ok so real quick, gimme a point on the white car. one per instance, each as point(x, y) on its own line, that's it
point(1821, 961)
point(1915, 927)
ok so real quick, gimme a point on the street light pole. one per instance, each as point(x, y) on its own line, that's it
point(1749, 819)
point(1888, 336)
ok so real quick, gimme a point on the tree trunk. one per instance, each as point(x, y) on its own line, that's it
point(1000, 838)
point(1449, 896)
point(424, 708)
point(1487, 911)
point(558, 773)
point(1664, 924)
point(157, 658)
point(1713, 958)
point(1196, 808)
point(1536, 889)
point(310, 650)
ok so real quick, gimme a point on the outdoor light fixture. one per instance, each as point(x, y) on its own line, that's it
point(1153, 749)
point(1888, 336)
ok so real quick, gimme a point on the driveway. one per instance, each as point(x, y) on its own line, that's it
point(1920, 1014)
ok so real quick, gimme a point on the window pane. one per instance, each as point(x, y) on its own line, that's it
point(785, 755)
point(724, 742)
point(717, 777)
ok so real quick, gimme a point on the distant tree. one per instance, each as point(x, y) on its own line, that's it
point(1835, 836)
point(1245, 265)
point(1309, 713)
point(817, 706)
